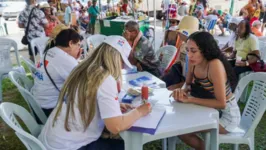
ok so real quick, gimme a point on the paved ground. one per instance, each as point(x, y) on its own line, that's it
point(16, 34)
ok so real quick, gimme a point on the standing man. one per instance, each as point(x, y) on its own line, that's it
point(36, 26)
point(93, 13)
point(142, 54)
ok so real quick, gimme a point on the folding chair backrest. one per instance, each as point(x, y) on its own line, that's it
point(5, 47)
point(40, 43)
point(94, 41)
point(256, 104)
point(168, 54)
point(211, 24)
point(30, 65)
point(9, 112)
point(24, 85)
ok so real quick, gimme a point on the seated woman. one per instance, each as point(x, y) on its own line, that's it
point(55, 67)
point(229, 48)
point(210, 82)
point(245, 44)
point(52, 20)
point(89, 101)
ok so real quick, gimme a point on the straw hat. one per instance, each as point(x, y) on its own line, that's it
point(45, 5)
point(188, 25)
point(57, 29)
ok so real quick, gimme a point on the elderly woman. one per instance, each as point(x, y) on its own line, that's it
point(256, 26)
point(60, 58)
point(52, 20)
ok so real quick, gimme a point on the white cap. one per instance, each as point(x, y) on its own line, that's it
point(120, 44)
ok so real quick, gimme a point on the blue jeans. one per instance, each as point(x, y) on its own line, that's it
point(104, 144)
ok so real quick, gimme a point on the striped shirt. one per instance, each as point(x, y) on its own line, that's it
point(208, 85)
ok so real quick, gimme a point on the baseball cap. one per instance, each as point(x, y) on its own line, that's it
point(121, 45)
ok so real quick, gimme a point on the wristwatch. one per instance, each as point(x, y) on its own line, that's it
point(247, 64)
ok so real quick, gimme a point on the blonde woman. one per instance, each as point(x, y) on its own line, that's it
point(89, 101)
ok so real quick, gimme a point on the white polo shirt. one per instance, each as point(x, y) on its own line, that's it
point(59, 64)
point(57, 138)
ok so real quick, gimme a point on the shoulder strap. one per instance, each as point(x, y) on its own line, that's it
point(48, 73)
point(28, 24)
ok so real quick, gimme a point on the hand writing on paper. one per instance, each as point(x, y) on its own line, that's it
point(144, 109)
point(180, 95)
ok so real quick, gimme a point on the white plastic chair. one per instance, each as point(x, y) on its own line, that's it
point(94, 41)
point(9, 111)
point(169, 54)
point(40, 43)
point(5, 59)
point(30, 65)
point(262, 48)
point(24, 85)
point(253, 111)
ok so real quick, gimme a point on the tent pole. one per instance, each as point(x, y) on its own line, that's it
point(154, 17)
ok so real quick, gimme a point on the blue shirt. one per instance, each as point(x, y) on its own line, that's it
point(67, 15)
point(93, 11)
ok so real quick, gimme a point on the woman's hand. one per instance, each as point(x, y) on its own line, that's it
point(181, 95)
point(144, 109)
point(79, 53)
point(124, 107)
point(240, 63)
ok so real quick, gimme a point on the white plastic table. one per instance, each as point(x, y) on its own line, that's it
point(179, 119)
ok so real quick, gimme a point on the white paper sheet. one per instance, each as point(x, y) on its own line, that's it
point(106, 23)
point(152, 119)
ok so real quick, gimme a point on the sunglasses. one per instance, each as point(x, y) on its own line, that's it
point(173, 22)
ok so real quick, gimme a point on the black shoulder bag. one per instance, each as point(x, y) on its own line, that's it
point(24, 39)
point(48, 73)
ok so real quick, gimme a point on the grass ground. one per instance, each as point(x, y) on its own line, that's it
point(9, 141)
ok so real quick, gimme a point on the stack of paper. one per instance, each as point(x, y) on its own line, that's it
point(148, 124)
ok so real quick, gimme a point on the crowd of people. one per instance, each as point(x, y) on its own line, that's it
point(80, 99)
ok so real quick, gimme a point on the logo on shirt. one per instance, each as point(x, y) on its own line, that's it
point(40, 64)
point(116, 98)
point(121, 42)
point(46, 63)
point(38, 75)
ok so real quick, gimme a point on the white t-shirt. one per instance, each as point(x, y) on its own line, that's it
point(59, 64)
point(232, 39)
point(57, 138)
